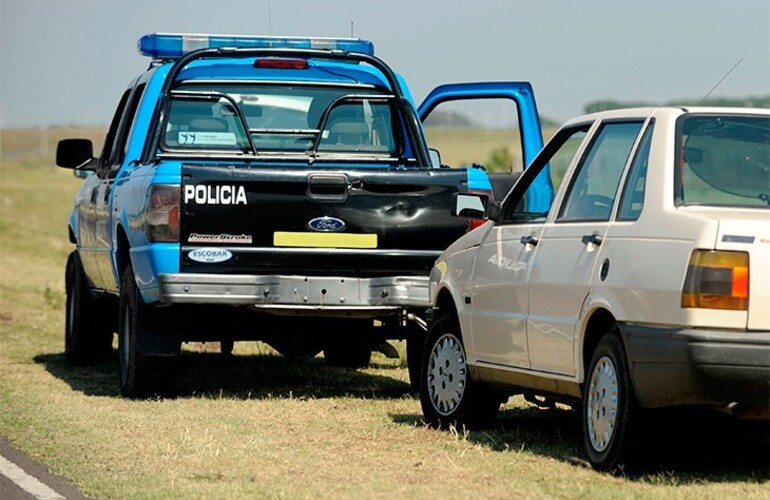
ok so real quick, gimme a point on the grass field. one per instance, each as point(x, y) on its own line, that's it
point(258, 426)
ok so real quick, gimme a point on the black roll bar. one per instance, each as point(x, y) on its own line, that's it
point(411, 121)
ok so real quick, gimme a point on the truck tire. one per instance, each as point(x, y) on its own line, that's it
point(415, 352)
point(448, 395)
point(348, 343)
point(344, 355)
point(87, 338)
point(141, 375)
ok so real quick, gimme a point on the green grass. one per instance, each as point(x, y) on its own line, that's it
point(261, 427)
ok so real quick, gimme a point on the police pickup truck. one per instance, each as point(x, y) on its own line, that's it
point(263, 188)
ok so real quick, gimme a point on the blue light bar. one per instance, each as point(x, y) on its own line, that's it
point(172, 46)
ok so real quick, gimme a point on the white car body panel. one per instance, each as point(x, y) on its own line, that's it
point(524, 309)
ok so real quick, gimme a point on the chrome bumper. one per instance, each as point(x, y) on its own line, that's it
point(293, 294)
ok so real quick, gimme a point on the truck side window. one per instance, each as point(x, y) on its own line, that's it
point(119, 151)
point(109, 140)
point(594, 185)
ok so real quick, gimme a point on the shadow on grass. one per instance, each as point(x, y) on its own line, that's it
point(686, 446)
point(257, 376)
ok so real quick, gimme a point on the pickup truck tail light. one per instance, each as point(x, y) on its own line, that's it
point(162, 213)
point(474, 223)
point(717, 280)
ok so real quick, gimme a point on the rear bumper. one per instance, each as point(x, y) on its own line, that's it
point(317, 295)
point(698, 367)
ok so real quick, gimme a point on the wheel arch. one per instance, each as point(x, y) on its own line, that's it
point(600, 322)
point(445, 303)
point(122, 252)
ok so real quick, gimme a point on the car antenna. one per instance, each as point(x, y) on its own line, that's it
point(720, 81)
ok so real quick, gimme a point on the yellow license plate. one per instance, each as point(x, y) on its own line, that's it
point(324, 240)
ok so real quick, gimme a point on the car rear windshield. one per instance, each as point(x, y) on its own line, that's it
point(280, 119)
point(723, 160)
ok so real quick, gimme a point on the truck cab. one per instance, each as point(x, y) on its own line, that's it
point(263, 188)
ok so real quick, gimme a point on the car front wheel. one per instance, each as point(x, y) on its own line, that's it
point(610, 410)
point(448, 395)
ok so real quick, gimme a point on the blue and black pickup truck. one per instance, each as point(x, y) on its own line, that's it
point(263, 188)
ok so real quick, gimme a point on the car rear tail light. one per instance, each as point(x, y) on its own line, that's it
point(717, 280)
point(162, 214)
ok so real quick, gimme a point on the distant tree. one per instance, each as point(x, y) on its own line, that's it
point(500, 160)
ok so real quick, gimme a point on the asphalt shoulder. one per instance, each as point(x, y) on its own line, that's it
point(12, 490)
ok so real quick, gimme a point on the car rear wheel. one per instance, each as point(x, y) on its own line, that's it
point(141, 375)
point(448, 395)
point(87, 336)
point(610, 410)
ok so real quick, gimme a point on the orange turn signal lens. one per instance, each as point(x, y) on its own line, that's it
point(717, 280)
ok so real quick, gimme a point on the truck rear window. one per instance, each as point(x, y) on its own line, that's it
point(723, 160)
point(281, 118)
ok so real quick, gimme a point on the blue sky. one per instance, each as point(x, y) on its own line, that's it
point(66, 62)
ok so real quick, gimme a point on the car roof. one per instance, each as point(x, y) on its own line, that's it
point(661, 112)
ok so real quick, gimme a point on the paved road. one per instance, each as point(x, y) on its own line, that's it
point(22, 478)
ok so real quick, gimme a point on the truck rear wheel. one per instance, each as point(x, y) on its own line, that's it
point(141, 375)
point(415, 351)
point(87, 339)
point(348, 355)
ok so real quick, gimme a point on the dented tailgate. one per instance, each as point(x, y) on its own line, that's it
point(288, 220)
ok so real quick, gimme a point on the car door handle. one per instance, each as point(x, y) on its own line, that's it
point(591, 238)
point(529, 240)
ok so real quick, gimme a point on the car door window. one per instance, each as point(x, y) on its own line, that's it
point(532, 198)
point(632, 199)
point(482, 131)
point(592, 192)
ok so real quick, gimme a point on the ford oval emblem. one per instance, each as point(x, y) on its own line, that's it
point(210, 255)
point(326, 224)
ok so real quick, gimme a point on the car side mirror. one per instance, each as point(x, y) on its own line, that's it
point(74, 153)
point(470, 206)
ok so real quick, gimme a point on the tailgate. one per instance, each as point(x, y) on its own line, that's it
point(289, 220)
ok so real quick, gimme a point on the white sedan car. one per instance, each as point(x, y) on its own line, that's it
point(627, 269)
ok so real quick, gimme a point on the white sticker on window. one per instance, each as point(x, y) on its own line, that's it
point(207, 139)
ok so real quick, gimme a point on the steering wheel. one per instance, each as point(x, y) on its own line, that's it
point(598, 200)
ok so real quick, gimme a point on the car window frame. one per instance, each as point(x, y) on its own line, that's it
point(512, 199)
point(586, 151)
point(647, 133)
